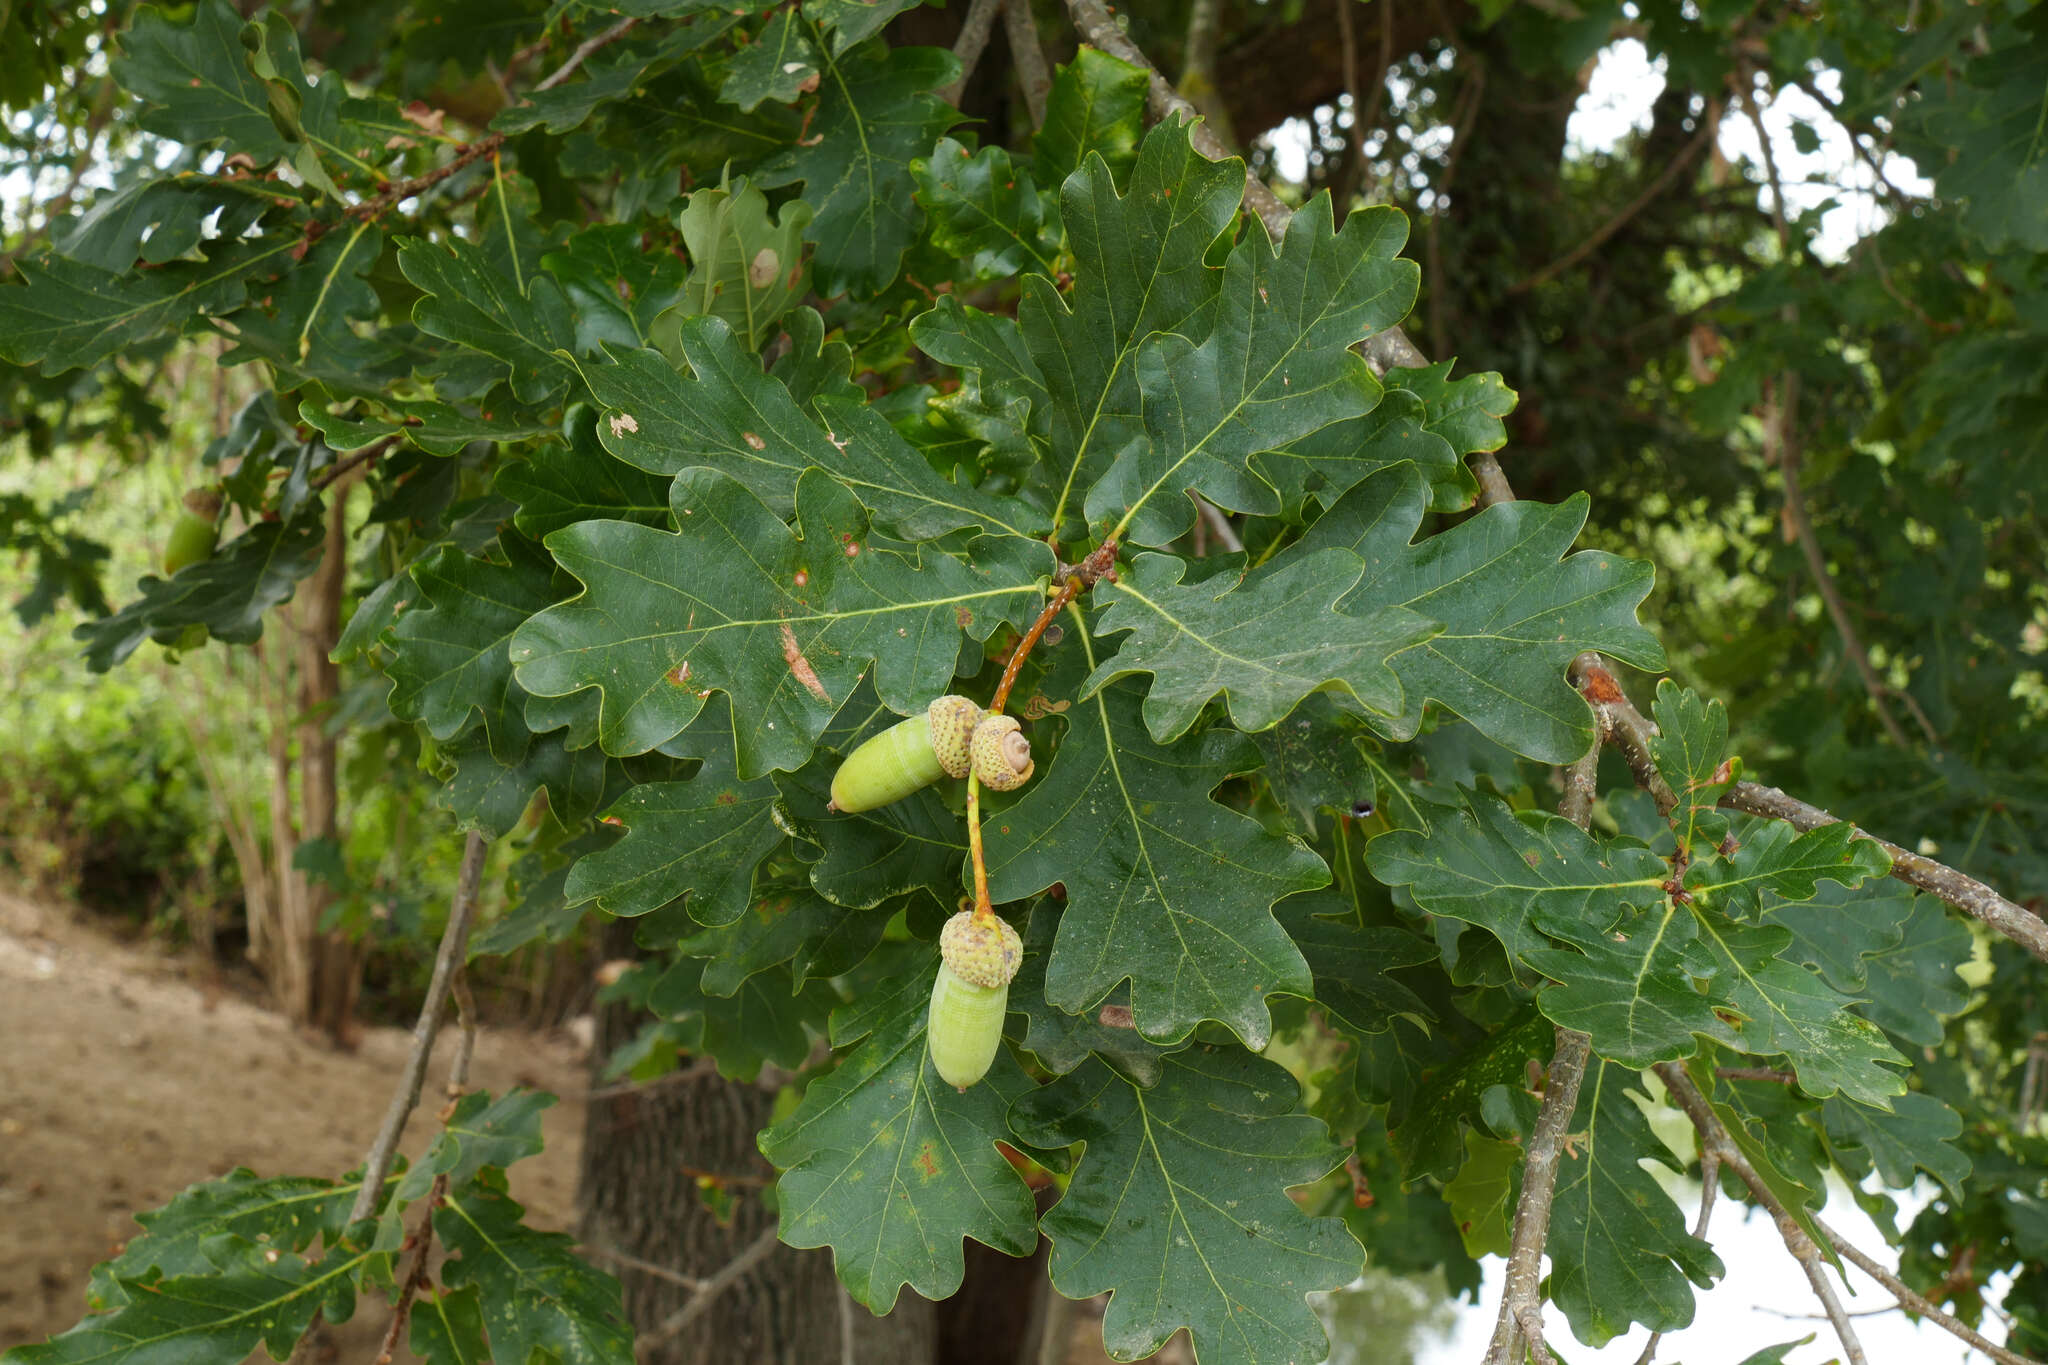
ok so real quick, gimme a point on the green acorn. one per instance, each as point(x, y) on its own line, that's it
point(965, 1025)
point(945, 741)
point(195, 533)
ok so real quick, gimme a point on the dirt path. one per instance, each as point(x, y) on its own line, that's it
point(121, 1082)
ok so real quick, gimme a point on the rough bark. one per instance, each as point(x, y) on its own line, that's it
point(335, 965)
point(644, 1152)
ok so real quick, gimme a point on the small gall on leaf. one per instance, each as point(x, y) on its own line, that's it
point(624, 424)
point(765, 266)
point(753, 441)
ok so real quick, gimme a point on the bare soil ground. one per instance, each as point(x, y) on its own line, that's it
point(123, 1079)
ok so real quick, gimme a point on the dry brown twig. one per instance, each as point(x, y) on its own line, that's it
point(1714, 1137)
point(448, 960)
point(968, 47)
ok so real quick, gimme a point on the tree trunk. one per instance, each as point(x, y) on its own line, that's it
point(644, 1154)
point(313, 975)
point(335, 963)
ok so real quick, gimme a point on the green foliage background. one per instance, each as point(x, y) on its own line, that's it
point(726, 394)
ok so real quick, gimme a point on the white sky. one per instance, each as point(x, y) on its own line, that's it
point(1626, 83)
point(1763, 1301)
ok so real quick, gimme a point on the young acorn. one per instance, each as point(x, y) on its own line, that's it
point(965, 1026)
point(950, 738)
point(195, 533)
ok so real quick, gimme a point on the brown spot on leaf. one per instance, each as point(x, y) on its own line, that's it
point(623, 424)
point(678, 675)
point(962, 617)
point(927, 1163)
point(762, 270)
point(800, 667)
point(755, 441)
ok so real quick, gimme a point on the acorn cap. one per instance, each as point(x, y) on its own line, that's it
point(952, 721)
point(985, 955)
point(1002, 756)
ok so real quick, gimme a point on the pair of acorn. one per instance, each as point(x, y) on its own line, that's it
point(978, 954)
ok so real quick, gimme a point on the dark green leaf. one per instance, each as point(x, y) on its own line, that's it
point(67, 314)
point(1514, 612)
point(731, 416)
point(784, 623)
point(521, 320)
point(1619, 1249)
point(918, 843)
point(1275, 367)
point(448, 652)
point(702, 838)
point(874, 114)
point(1179, 1238)
point(984, 210)
point(1264, 643)
point(244, 1295)
point(1097, 104)
point(1917, 1135)
point(1490, 866)
point(227, 594)
point(1164, 886)
point(1139, 270)
point(481, 1132)
point(1690, 746)
point(1351, 962)
point(891, 1167)
point(780, 64)
point(616, 288)
point(537, 1294)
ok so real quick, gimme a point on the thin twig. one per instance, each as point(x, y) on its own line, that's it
point(1219, 524)
point(448, 961)
point(1710, 1184)
point(416, 1277)
point(660, 1272)
point(1915, 1302)
point(584, 51)
point(465, 1043)
point(399, 192)
point(1027, 57)
point(1782, 447)
point(1097, 566)
point(1093, 20)
point(1781, 439)
point(1630, 731)
point(1964, 892)
point(968, 47)
point(362, 457)
point(1521, 1300)
point(1651, 193)
point(707, 1294)
point(1714, 1137)
point(1755, 1073)
point(1581, 787)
